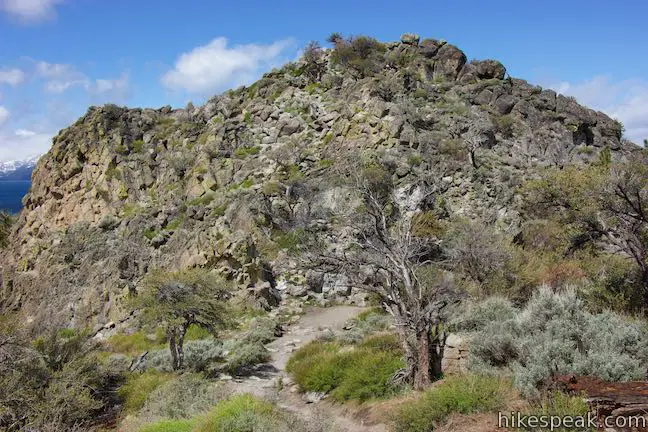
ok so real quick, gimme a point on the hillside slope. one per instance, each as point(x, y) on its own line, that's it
point(225, 185)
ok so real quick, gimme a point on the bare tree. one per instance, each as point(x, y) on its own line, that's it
point(476, 132)
point(607, 204)
point(626, 200)
point(383, 253)
point(476, 250)
point(315, 61)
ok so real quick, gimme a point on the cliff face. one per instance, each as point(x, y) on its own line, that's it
point(125, 190)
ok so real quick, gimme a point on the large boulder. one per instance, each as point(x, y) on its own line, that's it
point(448, 62)
point(489, 69)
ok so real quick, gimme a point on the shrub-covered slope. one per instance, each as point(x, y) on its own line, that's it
point(230, 185)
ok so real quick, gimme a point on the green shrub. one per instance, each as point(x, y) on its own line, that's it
point(133, 344)
point(203, 200)
point(291, 241)
point(175, 223)
point(185, 397)
point(249, 350)
point(171, 426)
point(366, 324)
point(383, 343)
point(312, 88)
point(362, 55)
point(112, 172)
point(315, 366)
point(150, 233)
point(56, 382)
point(327, 140)
point(505, 125)
point(195, 332)
point(415, 160)
point(139, 386)
point(346, 372)
point(247, 183)
point(241, 413)
point(461, 394)
point(367, 375)
point(137, 146)
point(243, 152)
point(561, 405)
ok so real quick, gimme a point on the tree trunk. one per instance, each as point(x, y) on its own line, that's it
point(173, 349)
point(181, 348)
point(423, 354)
point(644, 283)
point(422, 368)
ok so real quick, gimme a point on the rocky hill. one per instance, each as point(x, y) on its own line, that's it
point(226, 185)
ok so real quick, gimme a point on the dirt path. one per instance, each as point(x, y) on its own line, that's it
point(266, 382)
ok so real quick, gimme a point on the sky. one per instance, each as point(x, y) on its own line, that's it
point(58, 57)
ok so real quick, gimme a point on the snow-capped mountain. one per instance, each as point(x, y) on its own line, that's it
point(17, 169)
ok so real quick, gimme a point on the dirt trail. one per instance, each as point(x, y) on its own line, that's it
point(266, 382)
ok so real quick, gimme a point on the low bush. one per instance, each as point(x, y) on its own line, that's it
point(249, 350)
point(460, 394)
point(241, 413)
point(195, 332)
point(170, 426)
point(185, 397)
point(317, 366)
point(362, 55)
point(368, 375)
point(386, 342)
point(139, 386)
point(200, 356)
point(555, 334)
point(367, 323)
point(347, 372)
point(56, 382)
point(560, 405)
point(244, 355)
point(135, 343)
point(474, 316)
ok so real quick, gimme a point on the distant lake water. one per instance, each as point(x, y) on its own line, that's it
point(11, 195)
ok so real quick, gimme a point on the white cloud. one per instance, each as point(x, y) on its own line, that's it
point(30, 10)
point(58, 86)
point(13, 77)
point(60, 77)
point(4, 115)
point(625, 100)
point(25, 133)
point(216, 66)
point(107, 85)
point(23, 144)
point(53, 70)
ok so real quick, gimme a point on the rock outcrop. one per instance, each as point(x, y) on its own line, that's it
point(229, 185)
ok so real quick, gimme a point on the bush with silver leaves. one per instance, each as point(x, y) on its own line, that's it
point(553, 335)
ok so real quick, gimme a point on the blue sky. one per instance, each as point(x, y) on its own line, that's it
point(57, 57)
